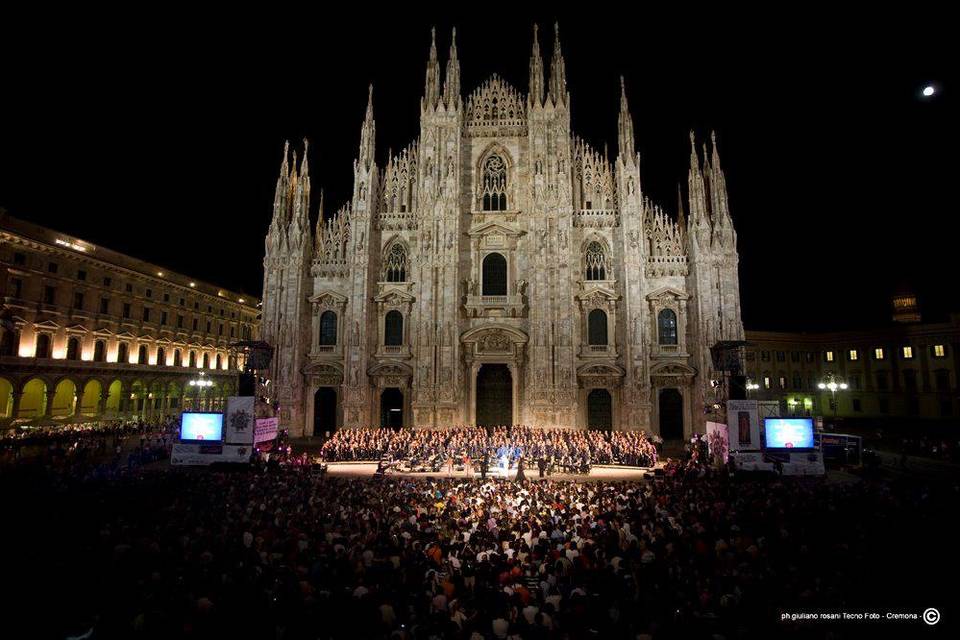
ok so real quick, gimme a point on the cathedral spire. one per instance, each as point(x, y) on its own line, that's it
point(694, 160)
point(558, 72)
point(716, 154)
point(368, 133)
point(681, 217)
point(451, 84)
point(304, 164)
point(625, 126)
point(318, 231)
point(698, 197)
point(284, 169)
point(282, 193)
point(718, 187)
point(536, 71)
point(431, 90)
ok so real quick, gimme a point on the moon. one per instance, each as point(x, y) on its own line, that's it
point(929, 90)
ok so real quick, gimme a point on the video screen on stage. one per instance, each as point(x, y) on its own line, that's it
point(201, 427)
point(788, 433)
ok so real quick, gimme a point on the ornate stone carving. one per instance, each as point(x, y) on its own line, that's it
point(494, 342)
point(576, 233)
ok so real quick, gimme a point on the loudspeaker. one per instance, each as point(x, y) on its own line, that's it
point(247, 385)
point(738, 388)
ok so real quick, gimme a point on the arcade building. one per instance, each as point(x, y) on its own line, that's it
point(87, 333)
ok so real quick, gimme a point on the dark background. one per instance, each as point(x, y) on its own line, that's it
point(161, 135)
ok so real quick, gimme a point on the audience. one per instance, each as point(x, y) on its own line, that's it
point(285, 552)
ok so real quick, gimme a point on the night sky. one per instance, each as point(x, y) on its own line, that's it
point(163, 139)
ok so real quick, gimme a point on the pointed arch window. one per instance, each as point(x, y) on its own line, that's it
point(395, 264)
point(494, 184)
point(667, 326)
point(596, 262)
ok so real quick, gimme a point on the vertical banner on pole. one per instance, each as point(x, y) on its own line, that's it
point(238, 425)
point(743, 423)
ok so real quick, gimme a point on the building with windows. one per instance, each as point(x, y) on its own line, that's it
point(904, 371)
point(88, 333)
point(499, 270)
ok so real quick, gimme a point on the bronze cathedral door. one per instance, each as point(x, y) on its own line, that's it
point(494, 395)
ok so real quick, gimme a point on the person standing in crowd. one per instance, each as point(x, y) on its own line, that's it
point(520, 477)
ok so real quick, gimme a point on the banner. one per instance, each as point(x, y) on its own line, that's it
point(743, 425)
point(266, 429)
point(718, 442)
point(205, 454)
point(238, 420)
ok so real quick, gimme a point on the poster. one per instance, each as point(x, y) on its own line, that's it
point(718, 442)
point(743, 424)
point(184, 454)
point(266, 429)
point(238, 420)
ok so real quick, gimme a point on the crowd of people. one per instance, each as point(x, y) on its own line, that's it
point(565, 450)
point(284, 552)
point(280, 549)
point(142, 441)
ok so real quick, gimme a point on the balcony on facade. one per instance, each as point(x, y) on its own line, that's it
point(508, 306)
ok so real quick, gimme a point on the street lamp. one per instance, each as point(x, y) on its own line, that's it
point(201, 383)
point(833, 385)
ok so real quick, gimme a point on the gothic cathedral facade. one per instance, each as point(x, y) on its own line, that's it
point(499, 271)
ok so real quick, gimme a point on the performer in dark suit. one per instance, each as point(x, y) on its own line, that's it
point(520, 476)
point(484, 465)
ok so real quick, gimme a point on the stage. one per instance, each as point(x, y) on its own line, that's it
point(598, 472)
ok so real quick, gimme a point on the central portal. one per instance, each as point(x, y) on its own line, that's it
point(391, 409)
point(494, 395)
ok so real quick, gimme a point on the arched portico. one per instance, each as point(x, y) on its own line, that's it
point(324, 380)
point(676, 378)
point(494, 344)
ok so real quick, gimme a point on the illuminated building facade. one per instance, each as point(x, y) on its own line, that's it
point(902, 372)
point(88, 333)
point(499, 270)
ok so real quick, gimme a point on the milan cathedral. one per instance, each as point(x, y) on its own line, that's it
point(499, 270)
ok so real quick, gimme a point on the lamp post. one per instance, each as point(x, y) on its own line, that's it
point(833, 385)
point(201, 383)
point(752, 386)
